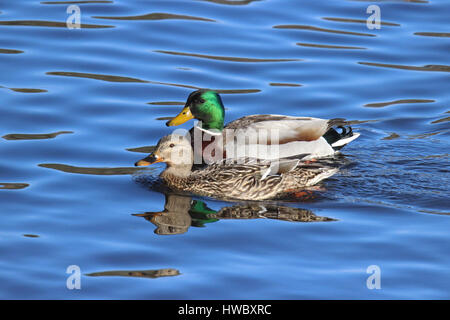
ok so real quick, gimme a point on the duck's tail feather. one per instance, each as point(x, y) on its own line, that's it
point(339, 140)
point(324, 173)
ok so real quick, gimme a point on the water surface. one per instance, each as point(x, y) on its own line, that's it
point(80, 106)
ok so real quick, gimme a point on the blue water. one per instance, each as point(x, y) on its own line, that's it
point(77, 106)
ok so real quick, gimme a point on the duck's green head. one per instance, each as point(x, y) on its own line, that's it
point(204, 105)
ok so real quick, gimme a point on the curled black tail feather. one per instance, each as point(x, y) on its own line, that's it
point(332, 135)
point(346, 131)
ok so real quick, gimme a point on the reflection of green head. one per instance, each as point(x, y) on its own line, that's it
point(207, 106)
point(199, 213)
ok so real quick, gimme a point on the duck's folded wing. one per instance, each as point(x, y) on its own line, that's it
point(279, 129)
point(279, 167)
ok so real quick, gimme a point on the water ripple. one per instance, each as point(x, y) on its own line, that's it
point(156, 16)
point(445, 119)
point(150, 274)
point(401, 101)
point(428, 67)
point(11, 186)
point(328, 46)
point(103, 77)
point(10, 51)
point(167, 103)
point(76, 2)
point(223, 58)
point(313, 28)
point(232, 2)
point(33, 136)
point(433, 34)
point(28, 90)
point(28, 235)
point(54, 24)
point(383, 23)
point(280, 84)
point(411, 1)
point(90, 170)
point(112, 78)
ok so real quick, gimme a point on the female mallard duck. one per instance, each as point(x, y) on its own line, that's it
point(287, 136)
point(246, 181)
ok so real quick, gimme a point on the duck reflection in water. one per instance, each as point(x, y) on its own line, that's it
point(152, 274)
point(181, 212)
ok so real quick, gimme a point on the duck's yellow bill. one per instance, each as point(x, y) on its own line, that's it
point(151, 159)
point(185, 115)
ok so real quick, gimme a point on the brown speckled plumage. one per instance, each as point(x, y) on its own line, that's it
point(248, 180)
point(244, 181)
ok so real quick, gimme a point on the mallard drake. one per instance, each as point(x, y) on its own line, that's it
point(286, 136)
point(248, 180)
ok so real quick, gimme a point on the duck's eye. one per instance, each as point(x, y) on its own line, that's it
point(172, 145)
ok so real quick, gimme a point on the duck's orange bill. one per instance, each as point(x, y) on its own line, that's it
point(151, 159)
point(182, 117)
